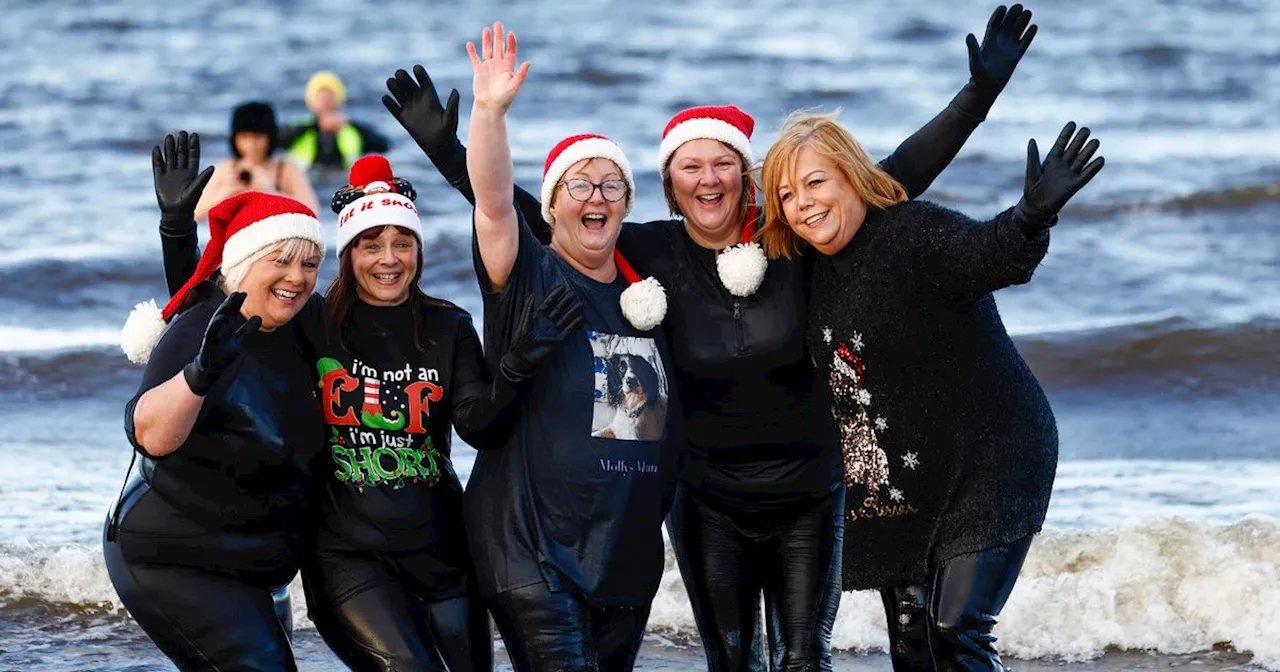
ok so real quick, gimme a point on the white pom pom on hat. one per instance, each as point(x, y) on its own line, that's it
point(643, 302)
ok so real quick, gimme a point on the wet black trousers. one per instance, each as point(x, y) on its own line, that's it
point(729, 558)
point(374, 612)
point(946, 625)
point(828, 608)
point(548, 631)
point(202, 620)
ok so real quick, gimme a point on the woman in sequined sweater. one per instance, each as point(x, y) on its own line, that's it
point(949, 443)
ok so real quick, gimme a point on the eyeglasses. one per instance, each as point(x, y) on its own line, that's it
point(581, 190)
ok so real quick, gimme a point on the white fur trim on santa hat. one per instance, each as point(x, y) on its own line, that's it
point(741, 268)
point(699, 129)
point(142, 331)
point(376, 210)
point(588, 148)
point(269, 231)
point(644, 304)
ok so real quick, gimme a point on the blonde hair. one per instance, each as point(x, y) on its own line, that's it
point(290, 249)
point(833, 141)
point(745, 201)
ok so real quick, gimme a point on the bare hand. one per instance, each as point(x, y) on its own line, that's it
point(497, 80)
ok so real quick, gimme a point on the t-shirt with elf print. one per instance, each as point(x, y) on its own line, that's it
point(390, 391)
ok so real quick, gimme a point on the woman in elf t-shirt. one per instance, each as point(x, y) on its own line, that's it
point(389, 580)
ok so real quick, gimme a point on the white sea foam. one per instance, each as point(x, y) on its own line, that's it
point(27, 339)
point(1169, 585)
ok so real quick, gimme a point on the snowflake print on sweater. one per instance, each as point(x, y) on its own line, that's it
point(865, 463)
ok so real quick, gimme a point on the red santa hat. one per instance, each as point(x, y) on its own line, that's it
point(239, 227)
point(575, 148)
point(644, 301)
point(726, 123)
point(741, 267)
point(387, 201)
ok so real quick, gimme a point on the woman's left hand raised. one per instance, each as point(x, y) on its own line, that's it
point(1008, 35)
point(497, 79)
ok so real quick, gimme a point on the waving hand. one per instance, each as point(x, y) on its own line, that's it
point(497, 79)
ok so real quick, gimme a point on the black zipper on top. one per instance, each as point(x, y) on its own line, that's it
point(737, 327)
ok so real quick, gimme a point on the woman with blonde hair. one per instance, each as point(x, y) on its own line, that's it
point(949, 444)
point(208, 533)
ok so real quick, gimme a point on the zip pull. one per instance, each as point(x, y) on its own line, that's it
point(737, 310)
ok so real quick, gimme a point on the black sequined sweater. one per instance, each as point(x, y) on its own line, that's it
point(949, 445)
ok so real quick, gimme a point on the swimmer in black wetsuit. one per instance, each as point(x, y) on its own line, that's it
point(209, 528)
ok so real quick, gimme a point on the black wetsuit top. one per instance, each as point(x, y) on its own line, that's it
point(241, 482)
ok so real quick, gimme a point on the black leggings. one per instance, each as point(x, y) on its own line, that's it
point(947, 624)
point(200, 619)
point(376, 615)
point(559, 632)
point(728, 558)
point(828, 608)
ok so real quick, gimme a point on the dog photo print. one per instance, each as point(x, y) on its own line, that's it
point(631, 388)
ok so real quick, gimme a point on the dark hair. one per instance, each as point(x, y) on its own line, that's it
point(255, 117)
point(341, 298)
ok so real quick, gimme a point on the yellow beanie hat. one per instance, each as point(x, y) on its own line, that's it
point(325, 80)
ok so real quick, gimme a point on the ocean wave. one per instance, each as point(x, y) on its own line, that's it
point(28, 339)
point(95, 369)
point(1226, 198)
point(1173, 353)
point(1170, 586)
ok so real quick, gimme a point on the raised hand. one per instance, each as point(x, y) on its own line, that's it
point(224, 341)
point(178, 186)
point(1065, 171)
point(1006, 40)
point(416, 105)
point(497, 79)
point(540, 332)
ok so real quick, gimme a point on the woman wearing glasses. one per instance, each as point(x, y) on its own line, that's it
point(565, 520)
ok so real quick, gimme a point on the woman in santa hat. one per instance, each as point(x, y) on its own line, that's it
point(209, 530)
point(759, 507)
point(565, 521)
point(388, 577)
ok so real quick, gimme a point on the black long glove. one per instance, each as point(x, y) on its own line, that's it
point(416, 105)
point(224, 341)
point(1049, 185)
point(541, 331)
point(178, 185)
point(923, 156)
point(1008, 35)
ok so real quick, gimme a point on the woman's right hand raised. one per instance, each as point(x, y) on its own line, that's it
point(178, 186)
point(497, 79)
point(224, 343)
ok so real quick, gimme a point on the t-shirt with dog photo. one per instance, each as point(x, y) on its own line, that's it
point(576, 497)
